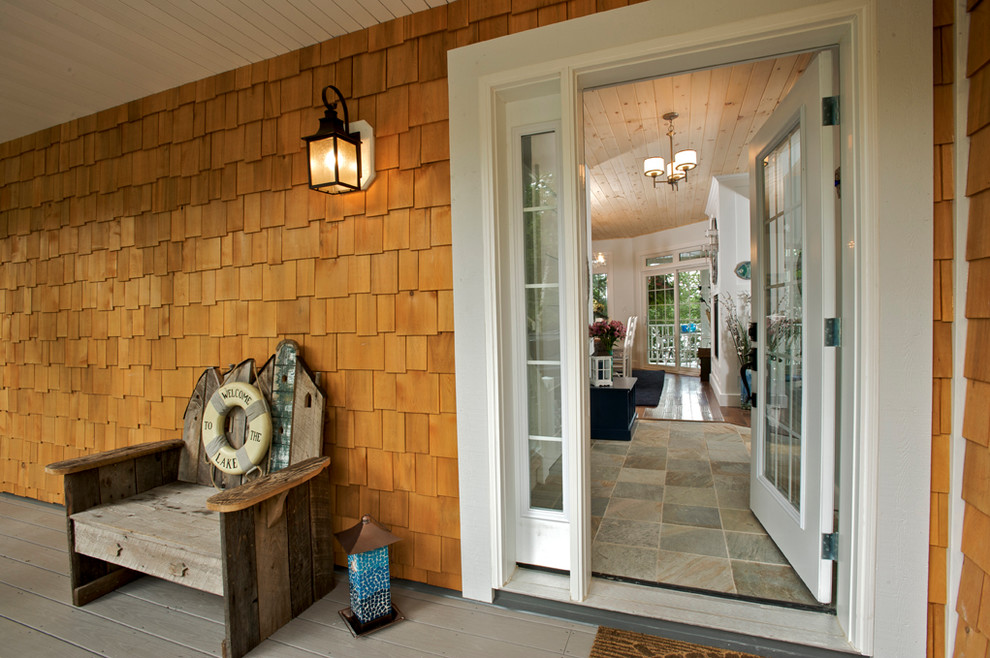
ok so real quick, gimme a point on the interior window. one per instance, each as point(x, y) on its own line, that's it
point(599, 294)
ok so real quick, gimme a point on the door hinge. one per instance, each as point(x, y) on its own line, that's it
point(830, 111)
point(830, 546)
point(833, 332)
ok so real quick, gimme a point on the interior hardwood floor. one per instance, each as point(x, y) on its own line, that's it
point(686, 397)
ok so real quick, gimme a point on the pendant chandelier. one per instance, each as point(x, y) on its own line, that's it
point(680, 163)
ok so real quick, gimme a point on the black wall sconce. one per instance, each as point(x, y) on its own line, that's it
point(339, 160)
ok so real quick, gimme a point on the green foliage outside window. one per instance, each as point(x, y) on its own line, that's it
point(599, 295)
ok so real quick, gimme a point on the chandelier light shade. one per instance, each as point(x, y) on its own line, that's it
point(653, 167)
point(686, 160)
point(680, 163)
point(334, 153)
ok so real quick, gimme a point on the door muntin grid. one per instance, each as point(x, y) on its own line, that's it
point(782, 355)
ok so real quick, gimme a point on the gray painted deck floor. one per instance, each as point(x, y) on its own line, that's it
point(155, 618)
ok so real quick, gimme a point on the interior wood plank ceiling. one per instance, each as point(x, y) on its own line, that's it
point(64, 59)
point(720, 112)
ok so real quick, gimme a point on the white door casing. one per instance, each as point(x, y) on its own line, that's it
point(793, 258)
point(886, 90)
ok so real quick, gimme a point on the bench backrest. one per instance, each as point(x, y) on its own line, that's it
point(297, 406)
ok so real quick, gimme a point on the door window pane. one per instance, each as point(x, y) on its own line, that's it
point(783, 295)
point(694, 327)
point(678, 322)
point(661, 318)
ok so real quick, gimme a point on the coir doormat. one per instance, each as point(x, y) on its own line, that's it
point(614, 643)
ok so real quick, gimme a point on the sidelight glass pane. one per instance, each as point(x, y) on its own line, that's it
point(542, 246)
point(541, 289)
point(546, 477)
point(783, 292)
point(544, 400)
point(539, 168)
point(543, 324)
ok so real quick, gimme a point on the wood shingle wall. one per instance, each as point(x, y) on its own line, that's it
point(144, 243)
point(973, 604)
point(942, 315)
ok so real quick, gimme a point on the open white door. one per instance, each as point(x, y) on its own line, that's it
point(794, 292)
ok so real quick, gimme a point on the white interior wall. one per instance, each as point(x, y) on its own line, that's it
point(626, 289)
point(730, 205)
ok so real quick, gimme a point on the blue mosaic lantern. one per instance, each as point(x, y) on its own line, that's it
point(366, 545)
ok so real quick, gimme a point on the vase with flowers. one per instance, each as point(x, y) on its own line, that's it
point(605, 333)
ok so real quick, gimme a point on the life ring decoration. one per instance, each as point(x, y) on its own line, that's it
point(259, 433)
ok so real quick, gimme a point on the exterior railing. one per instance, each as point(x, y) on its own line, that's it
point(660, 344)
point(662, 340)
point(690, 342)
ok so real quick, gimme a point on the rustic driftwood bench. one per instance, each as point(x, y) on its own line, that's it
point(264, 545)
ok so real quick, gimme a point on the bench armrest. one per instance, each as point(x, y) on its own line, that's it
point(111, 457)
point(269, 486)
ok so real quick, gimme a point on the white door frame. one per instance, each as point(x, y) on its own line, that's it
point(884, 464)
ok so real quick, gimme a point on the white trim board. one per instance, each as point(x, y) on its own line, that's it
point(755, 619)
point(887, 405)
point(960, 279)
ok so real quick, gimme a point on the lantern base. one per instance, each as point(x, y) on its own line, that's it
point(359, 629)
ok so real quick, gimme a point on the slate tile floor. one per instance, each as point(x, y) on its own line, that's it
point(672, 506)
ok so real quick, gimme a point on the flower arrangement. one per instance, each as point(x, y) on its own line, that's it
point(783, 334)
point(607, 332)
point(737, 324)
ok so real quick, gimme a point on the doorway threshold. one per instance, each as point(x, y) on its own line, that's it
point(698, 611)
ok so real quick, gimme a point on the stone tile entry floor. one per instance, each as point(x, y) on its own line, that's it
point(672, 507)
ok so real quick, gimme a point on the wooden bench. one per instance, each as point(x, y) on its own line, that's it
point(265, 545)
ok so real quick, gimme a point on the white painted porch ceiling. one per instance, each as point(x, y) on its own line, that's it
point(63, 59)
point(720, 112)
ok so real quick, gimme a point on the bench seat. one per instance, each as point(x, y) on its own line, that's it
point(166, 532)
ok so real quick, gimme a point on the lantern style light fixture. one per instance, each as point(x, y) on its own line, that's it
point(680, 163)
point(339, 160)
point(366, 545)
point(601, 371)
